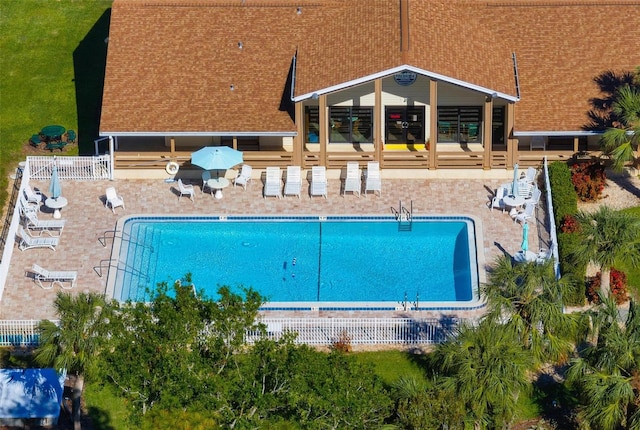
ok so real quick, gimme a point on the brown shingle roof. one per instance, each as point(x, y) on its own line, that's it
point(170, 64)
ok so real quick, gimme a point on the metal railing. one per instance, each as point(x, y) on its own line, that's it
point(310, 331)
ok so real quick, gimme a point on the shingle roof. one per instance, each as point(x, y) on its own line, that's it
point(170, 64)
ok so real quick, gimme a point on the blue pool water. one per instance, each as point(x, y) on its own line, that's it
point(302, 259)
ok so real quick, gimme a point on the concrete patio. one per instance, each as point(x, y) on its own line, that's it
point(440, 192)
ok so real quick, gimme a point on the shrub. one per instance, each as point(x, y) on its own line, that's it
point(588, 179)
point(566, 244)
point(342, 343)
point(569, 224)
point(619, 288)
point(564, 197)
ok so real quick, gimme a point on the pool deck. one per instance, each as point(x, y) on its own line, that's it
point(80, 248)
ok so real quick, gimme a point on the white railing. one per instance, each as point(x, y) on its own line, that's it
point(79, 168)
point(310, 331)
point(19, 333)
point(360, 331)
point(553, 235)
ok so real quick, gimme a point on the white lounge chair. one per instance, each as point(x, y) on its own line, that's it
point(526, 214)
point(186, 190)
point(318, 181)
point(25, 206)
point(28, 242)
point(113, 199)
point(38, 226)
point(497, 200)
point(32, 196)
point(373, 181)
point(535, 196)
point(273, 182)
point(544, 255)
point(206, 175)
point(293, 184)
point(531, 174)
point(244, 177)
point(59, 277)
point(353, 182)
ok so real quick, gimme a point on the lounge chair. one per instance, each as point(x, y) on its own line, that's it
point(535, 196)
point(35, 225)
point(497, 200)
point(531, 174)
point(293, 184)
point(186, 190)
point(272, 183)
point(373, 181)
point(32, 196)
point(59, 277)
point(28, 242)
point(26, 206)
point(244, 177)
point(544, 255)
point(206, 175)
point(318, 181)
point(113, 199)
point(352, 182)
point(526, 214)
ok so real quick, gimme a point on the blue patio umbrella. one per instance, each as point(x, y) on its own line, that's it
point(514, 186)
point(216, 157)
point(525, 237)
point(55, 188)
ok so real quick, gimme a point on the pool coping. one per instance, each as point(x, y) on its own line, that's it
point(407, 306)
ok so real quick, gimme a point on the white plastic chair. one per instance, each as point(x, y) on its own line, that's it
point(113, 199)
point(531, 174)
point(496, 201)
point(206, 175)
point(186, 190)
point(535, 196)
point(544, 255)
point(353, 182)
point(28, 242)
point(293, 184)
point(318, 181)
point(32, 196)
point(244, 177)
point(373, 181)
point(53, 277)
point(273, 182)
point(525, 215)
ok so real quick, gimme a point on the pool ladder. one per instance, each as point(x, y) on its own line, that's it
point(404, 216)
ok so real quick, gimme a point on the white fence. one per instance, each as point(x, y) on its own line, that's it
point(553, 235)
point(70, 168)
point(310, 331)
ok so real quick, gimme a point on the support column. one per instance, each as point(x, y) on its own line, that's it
point(512, 143)
point(487, 132)
point(298, 140)
point(234, 142)
point(324, 128)
point(172, 147)
point(378, 123)
point(433, 124)
point(576, 144)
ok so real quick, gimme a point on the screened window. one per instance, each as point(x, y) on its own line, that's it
point(350, 124)
point(312, 124)
point(460, 124)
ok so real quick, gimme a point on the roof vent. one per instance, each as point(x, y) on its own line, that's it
point(299, 11)
point(240, 45)
point(232, 87)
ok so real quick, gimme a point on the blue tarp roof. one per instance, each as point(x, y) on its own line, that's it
point(31, 393)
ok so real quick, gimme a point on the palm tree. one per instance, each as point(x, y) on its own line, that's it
point(74, 342)
point(529, 299)
point(607, 375)
point(607, 236)
point(620, 142)
point(486, 368)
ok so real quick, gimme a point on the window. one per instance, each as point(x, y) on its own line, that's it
point(460, 124)
point(497, 134)
point(350, 124)
point(312, 124)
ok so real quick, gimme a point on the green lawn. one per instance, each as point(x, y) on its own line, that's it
point(51, 71)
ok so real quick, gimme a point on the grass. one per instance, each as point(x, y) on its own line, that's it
point(391, 365)
point(51, 71)
point(107, 410)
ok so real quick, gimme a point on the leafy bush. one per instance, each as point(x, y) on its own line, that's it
point(564, 197)
point(569, 268)
point(569, 224)
point(589, 180)
point(619, 288)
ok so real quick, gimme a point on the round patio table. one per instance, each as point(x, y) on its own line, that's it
point(53, 131)
point(56, 205)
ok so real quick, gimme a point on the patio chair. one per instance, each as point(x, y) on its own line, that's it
point(352, 182)
point(24, 206)
point(71, 136)
point(531, 174)
point(535, 196)
point(244, 177)
point(373, 181)
point(32, 196)
point(526, 214)
point(293, 184)
point(30, 242)
point(272, 183)
point(206, 175)
point(35, 140)
point(37, 226)
point(113, 199)
point(497, 200)
point(544, 255)
point(42, 276)
point(186, 190)
point(318, 181)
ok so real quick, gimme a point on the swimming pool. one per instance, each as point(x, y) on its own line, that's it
point(304, 262)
